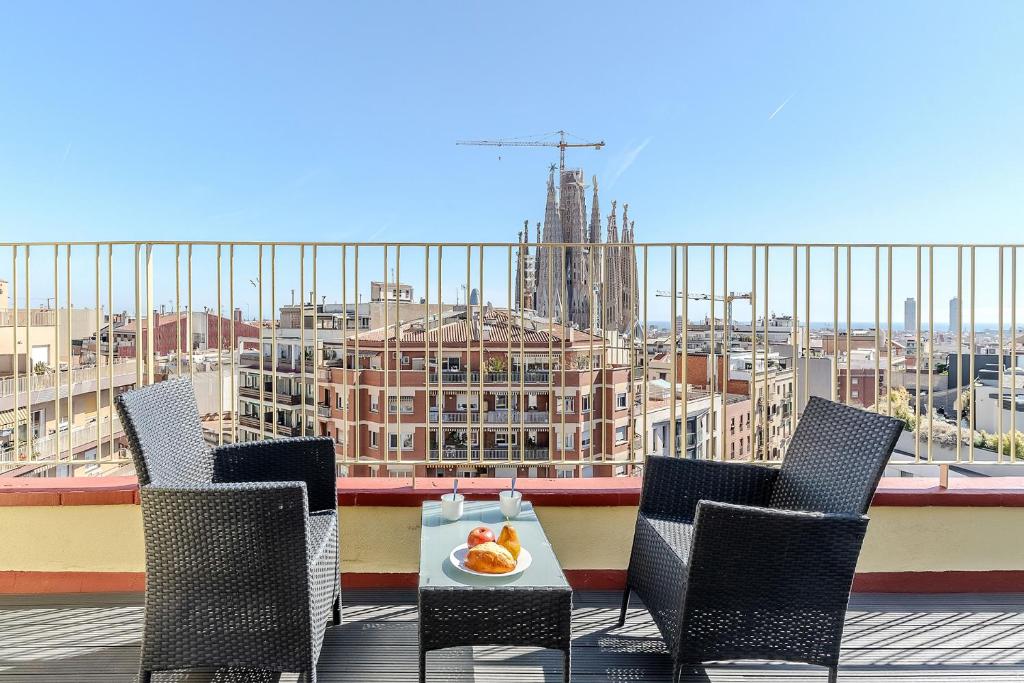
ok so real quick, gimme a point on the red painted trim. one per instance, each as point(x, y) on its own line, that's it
point(596, 579)
point(940, 582)
point(380, 580)
point(26, 583)
point(595, 492)
point(21, 583)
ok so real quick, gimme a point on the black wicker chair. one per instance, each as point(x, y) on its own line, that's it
point(241, 541)
point(743, 561)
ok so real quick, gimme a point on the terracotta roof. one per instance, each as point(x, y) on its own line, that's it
point(499, 328)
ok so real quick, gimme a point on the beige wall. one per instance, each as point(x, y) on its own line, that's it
point(108, 538)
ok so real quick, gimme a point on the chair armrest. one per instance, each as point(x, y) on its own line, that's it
point(220, 548)
point(673, 486)
point(773, 559)
point(306, 459)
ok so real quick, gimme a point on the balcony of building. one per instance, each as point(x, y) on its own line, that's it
point(938, 596)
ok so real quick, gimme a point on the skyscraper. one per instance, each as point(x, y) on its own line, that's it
point(954, 315)
point(910, 315)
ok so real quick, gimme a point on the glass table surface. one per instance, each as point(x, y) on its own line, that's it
point(439, 537)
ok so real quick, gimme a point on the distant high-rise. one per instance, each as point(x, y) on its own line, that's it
point(954, 315)
point(910, 314)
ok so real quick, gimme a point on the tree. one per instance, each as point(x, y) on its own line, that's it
point(897, 404)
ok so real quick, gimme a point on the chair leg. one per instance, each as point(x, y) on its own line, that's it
point(677, 672)
point(336, 610)
point(625, 605)
point(833, 674)
point(311, 676)
point(567, 664)
point(145, 676)
point(423, 666)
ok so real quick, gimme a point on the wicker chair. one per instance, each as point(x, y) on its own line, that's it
point(743, 561)
point(241, 541)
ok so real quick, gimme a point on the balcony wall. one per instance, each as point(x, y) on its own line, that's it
point(86, 534)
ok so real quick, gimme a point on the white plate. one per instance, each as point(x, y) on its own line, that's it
point(458, 558)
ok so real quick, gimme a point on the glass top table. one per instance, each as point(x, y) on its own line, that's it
point(439, 537)
point(456, 608)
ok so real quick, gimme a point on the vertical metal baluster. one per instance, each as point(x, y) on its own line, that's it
point(398, 354)
point(974, 288)
point(57, 349)
point(888, 383)
point(674, 361)
point(508, 359)
point(67, 334)
point(110, 346)
point(346, 437)
point(188, 320)
point(482, 360)
point(302, 337)
point(672, 325)
point(231, 332)
point(931, 341)
point(835, 323)
point(755, 410)
point(726, 310)
point(220, 357)
point(767, 394)
point(177, 307)
point(259, 342)
point(878, 323)
point(563, 331)
point(713, 371)
point(440, 359)
point(29, 364)
point(317, 356)
point(795, 391)
point(917, 342)
point(384, 402)
point(849, 323)
point(357, 389)
point(15, 362)
point(1013, 352)
point(686, 349)
point(1001, 366)
point(96, 357)
point(960, 351)
point(807, 322)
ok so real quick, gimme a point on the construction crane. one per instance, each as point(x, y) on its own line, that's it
point(561, 144)
point(728, 299)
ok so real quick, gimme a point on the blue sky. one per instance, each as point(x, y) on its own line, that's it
point(855, 122)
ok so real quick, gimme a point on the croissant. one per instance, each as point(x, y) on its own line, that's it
point(490, 558)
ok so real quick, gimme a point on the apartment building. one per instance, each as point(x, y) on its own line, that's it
point(478, 393)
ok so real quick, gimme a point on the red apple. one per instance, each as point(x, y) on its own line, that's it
point(479, 535)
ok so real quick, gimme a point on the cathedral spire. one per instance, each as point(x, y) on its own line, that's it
point(550, 268)
point(612, 294)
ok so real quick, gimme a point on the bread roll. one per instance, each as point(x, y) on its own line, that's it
point(490, 558)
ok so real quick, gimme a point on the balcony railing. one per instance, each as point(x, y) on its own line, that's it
point(489, 454)
point(801, 300)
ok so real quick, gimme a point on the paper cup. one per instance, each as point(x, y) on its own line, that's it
point(511, 502)
point(451, 506)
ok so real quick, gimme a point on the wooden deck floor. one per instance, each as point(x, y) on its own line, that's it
point(902, 638)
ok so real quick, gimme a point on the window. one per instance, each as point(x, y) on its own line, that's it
point(504, 439)
point(732, 425)
point(564, 474)
point(407, 441)
point(620, 434)
point(569, 441)
point(340, 402)
point(585, 438)
point(856, 394)
point(500, 401)
point(855, 380)
point(406, 403)
point(373, 439)
point(620, 401)
point(374, 403)
point(732, 450)
point(585, 403)
point(566, 404)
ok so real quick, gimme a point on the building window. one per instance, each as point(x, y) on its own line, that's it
point(407, 441)
point(569, 441)
point(620, 401)
point(374, 403)
point(620, 434)
point(564, 474)
point(500, 401)
point(407, 404)
point(340, 403)
point(856, 394)
point(732, 425)
point(855, 380)
point(585, 403)
point(373, 439)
